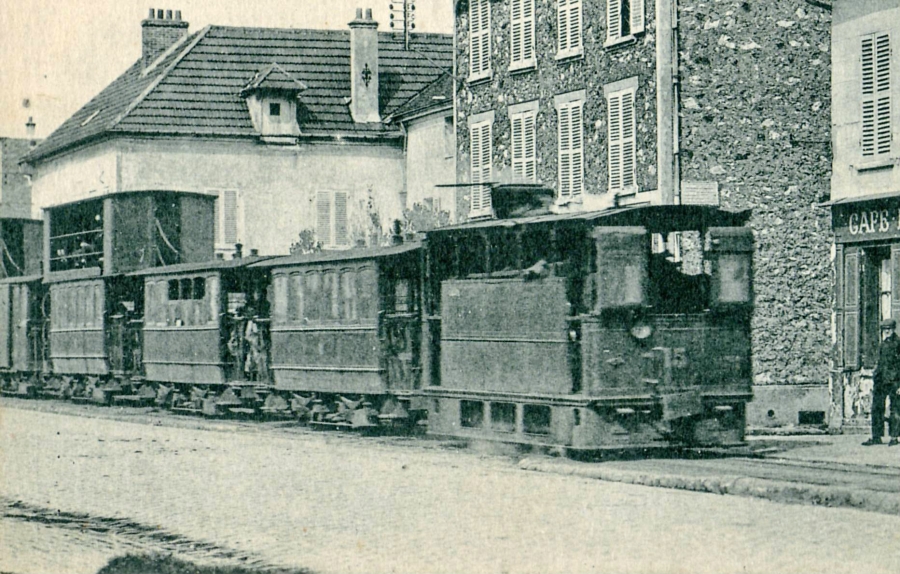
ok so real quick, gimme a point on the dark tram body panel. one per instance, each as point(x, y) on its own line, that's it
point(195, 321)
point(77, 327)
point(588, 331)
point(347, 323)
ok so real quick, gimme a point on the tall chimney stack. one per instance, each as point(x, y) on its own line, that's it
point(364, 68)
point(159, 31)
point(29, 131)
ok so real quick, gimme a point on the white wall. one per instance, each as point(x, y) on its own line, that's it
point(848, 181)
point(89, 172)
point(277, 184)
point(431, 160)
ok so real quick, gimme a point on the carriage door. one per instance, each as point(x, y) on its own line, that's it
point(401, 331)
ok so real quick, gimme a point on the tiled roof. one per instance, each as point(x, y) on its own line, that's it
point(195, 89)
point(436, 95)
point(273, 77)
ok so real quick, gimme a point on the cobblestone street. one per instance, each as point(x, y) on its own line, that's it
point(266, 495)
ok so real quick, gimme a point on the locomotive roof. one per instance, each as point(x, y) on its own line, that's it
point(213, 265)
point(347, 255)
point(672, 217)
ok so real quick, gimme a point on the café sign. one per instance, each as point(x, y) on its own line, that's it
point(866, 221)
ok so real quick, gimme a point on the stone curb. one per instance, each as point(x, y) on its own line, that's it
point(778, 491)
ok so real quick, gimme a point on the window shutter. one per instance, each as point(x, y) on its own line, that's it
point(615, 141)
point(323, 217)
point(876, 95)
point(229, 217)
point(637, 16)
point(565, 157)
point(577, 149)
point(479, 37)
point(341, 231)
point(851, 309)
point(516, 32)
point(523, 146)
point(530, 161)
point(628, 140)
point(527, 30)
point(562, 20)
point(574, 24)
point(613, 19)
point(621, 140)
point(480, 140)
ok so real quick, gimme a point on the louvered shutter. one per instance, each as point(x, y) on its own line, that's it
point(480, 139)
point(229, 217)
point(529, 148)
point(876, 95)
point(613, 19)
point(577, 148)
point(479, 38)
point(562, 20)
point(527, 30)
point(516, 31)
point(565, 158)
point(341, 230)
point(614, 106)
point(323, 217)
point(628, 140)
point(568, 17)
point(838, 304)
point(637, 16)
point(621, 140)
point(851, 308)
point(523, 146)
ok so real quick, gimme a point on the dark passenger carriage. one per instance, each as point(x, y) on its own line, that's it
point(23, 325)
point(346, 333)
point(629, 327)
point(205, 335)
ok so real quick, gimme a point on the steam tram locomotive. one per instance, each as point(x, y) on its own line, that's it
point(627, 327)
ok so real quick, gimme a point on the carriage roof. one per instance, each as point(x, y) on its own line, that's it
point(339, 256)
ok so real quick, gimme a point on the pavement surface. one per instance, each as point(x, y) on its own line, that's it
point(81, 484)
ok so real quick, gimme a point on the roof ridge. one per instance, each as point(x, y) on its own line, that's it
point(146, 92)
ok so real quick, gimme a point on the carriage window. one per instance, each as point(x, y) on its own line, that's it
point(401, 296)
point(503, 417)
point(367, 293)
point(329, 296)
point(313, 290)
point(471, 414)
point(186, 289)
point(348, 296)
point(199, 288)
point(173, 290)
point(536, 419)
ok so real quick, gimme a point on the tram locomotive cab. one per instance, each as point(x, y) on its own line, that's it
point(618, 329)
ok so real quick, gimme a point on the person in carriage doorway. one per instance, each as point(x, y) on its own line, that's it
point(886, 384)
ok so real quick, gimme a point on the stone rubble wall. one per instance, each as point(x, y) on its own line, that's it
point(755, 117)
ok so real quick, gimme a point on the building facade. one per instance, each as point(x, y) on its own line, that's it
point(19, 235)
point(621, 102)
point(865, 193)
point(302, 136)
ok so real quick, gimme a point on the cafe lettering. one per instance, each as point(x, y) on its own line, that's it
point(853, 223)
point(873, 221)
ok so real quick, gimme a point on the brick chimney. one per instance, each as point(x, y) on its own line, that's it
point(364, 68)
point(160, 30)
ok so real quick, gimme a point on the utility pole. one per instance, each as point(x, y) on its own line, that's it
point(403, 18)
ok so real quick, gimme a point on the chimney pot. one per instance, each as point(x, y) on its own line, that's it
point(238, 250)
point(152, 13)
point(159, 14)
point(359, 13)
point(168, 14)
point(178, 15)
point(368, 13)
point(159, 32)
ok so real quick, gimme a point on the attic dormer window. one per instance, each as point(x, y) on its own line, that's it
point(272, 98)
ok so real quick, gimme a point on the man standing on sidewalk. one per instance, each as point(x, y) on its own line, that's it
point(887, 381)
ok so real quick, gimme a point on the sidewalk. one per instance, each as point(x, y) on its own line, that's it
point(809, 462)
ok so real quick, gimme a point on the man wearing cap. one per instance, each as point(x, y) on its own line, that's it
point(887, 382)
